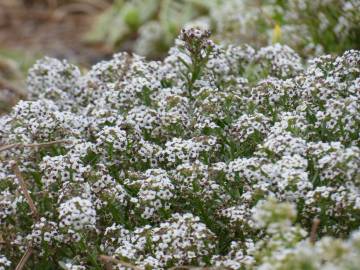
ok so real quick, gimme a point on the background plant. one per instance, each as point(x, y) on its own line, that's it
point(311, 28)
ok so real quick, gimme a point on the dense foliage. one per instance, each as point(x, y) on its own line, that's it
point(311, 27)
point(215, 156)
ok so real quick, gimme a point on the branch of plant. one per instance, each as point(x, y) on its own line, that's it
point(24, 189)
point(32, 145)
point(185, 267)
point(108, 260)
point(34, 211)
point(314, 229)
point(24, 258)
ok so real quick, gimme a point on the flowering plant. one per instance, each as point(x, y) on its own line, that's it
point(220, 157)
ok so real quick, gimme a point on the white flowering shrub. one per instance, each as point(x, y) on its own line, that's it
point(311, 27)
point(217, 157)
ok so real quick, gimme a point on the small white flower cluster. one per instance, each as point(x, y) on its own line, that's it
point(69, 265)
point(274, 94)
point(248, 126)
point(194, 180)
point(54, 80)
point(77, 213)
point(182, 240)
point(7, 207)
point(4, 262)
point(287, 248)
point(155, 194)
point(44, 233)
point(183, 151)
point(205, 159)
point(280, 61)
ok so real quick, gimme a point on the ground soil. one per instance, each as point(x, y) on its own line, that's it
point(55, 31)
point(35, 28)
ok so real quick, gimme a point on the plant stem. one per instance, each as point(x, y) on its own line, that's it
point(24, 258)
point(24, 190)
point(314, 230)
point(108, 259)
point(32, 145)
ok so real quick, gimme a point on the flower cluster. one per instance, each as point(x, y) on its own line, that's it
point(182, 240)
point(4, 262)
point(155, 193)
point(77, 213)
point(214, 157)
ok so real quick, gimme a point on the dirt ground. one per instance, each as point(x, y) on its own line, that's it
point(30, 29)
point(56, 30)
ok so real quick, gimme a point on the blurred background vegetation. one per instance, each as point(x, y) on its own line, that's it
point(86, 31)
point(30, 29)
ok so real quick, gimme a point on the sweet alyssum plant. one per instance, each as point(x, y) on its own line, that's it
point(220, 157)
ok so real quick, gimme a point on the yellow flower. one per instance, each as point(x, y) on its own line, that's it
point(276, 37)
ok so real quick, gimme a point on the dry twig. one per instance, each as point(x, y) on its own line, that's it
point(314, 230)
point(32, 145)
point(24, 258)
point(186, 267)
point(108, 260)
point(24, 190)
